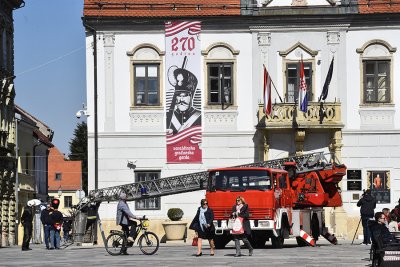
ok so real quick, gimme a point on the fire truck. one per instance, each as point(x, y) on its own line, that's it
point(286, 196)
point(283, 202)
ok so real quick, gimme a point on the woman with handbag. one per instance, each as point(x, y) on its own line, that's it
point(241, 227)
point(203, 226)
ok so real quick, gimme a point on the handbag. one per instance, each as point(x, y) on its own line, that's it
point(57, 226)
point(195, 241)
point(237, 228)
point(230, 223)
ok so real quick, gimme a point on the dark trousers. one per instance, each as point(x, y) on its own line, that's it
point(366, 232)
point(46, 230)
point(129, 232)
point(246, 242)
point(27, 235)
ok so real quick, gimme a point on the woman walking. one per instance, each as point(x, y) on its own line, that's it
point(241, 210)
point(203, 226)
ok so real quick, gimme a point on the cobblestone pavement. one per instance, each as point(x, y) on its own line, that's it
point(182, 254)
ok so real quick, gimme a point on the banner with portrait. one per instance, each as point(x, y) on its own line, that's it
point(183, 91)
point(379, 183)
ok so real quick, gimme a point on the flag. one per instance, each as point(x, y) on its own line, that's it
point(324, 93)
point(302, 89)
point(267, 93)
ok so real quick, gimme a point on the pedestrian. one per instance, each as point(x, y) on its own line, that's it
point(367, 204)
point(203, 226)
point(386, 212)
point(67, 226)
point(125, 218)
point(56, 219)
point(26, 221)
point(45, 219)
point(241, 210)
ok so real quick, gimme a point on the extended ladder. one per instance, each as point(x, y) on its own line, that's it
point(198, 181)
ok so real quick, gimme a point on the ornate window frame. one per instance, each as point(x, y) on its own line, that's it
point(288, 59)
point(220, 53)
point(366, 54)
point(141, 55)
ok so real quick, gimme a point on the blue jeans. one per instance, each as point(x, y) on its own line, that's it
point(366, 232)
point(46, 230)
point(54, 238)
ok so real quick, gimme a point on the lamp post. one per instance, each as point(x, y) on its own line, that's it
point(59, 192)
point(17, 119)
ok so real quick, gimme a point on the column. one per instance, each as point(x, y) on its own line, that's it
point(109, 43)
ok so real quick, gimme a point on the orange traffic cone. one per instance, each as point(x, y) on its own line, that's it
point(307, 238)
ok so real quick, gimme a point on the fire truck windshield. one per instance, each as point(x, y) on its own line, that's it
point(239, 180)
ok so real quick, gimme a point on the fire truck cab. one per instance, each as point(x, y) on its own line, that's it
point(269, 196)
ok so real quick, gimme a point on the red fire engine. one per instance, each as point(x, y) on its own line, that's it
point(283, 203)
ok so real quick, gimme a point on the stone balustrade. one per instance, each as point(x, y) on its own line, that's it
point(287, 115)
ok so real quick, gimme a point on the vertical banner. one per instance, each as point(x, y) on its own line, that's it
point(183, 91)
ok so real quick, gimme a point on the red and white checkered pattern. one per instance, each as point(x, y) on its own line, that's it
point(307, 238)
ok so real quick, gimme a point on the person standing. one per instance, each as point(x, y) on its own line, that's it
point(203, 226)
point(26, 221)
point(45, 219)
point(241, 209)
point(125, 218)
point(367, 204)
point(56, 219)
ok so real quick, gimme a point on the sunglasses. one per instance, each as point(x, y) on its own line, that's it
point(238, 200)
point(205, 203)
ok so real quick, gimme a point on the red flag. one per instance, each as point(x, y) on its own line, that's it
point(267, 92)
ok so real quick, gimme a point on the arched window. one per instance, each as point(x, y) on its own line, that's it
point(376, 63)
point(146, 73)
point(220, 60)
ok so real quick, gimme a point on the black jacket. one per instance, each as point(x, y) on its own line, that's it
point(380, 234)
point(367, 204)
point(45, 217)
point(56, 217)
point(244, 213)
point(27, 215)
point(209, 214)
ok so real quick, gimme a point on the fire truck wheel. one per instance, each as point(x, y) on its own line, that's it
point(258, 243)
point(277, 242)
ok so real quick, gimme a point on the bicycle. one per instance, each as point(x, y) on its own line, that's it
point(148, 242)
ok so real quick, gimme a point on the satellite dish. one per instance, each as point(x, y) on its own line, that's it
point(80, 194)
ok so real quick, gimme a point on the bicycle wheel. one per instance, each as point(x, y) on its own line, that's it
point(114, 244)
point(148, 243)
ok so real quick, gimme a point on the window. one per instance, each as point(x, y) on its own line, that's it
point(58, 176)
point(220, 83)
point(146, 85)
point(293, 80)
point(150, 203)
point(376, 81)
point(67, 201)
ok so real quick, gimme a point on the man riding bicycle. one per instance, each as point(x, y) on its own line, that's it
point(125, 218)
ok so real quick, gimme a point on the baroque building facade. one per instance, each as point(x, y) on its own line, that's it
point(7, 134)
point(357, 121)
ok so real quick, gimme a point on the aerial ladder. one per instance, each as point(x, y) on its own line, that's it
point(295, 165)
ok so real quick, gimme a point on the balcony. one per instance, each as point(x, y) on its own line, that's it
point(26, 182)
point(287, 115)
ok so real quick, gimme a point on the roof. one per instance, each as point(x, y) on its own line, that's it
point(161, 8)
point(379, 6)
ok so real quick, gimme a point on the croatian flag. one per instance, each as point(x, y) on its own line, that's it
point(302, 89)
point(267, 93)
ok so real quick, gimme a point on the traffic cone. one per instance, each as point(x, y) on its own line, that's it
point(331, 238)
point(307, 238)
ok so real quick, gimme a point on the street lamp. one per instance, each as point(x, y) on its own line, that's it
point(17, 118)
point(59, 192)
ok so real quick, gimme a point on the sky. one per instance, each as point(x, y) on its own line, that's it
point(49, 54)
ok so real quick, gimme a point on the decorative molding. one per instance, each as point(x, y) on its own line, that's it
point(109, 40)
point(390, 48)
point(220, 44)
point(220, 120)
point(146, 120)
point(313, 53)
point(333, 37)
point(146, 45)
point(299, 3)
point(264, 39)
point(377, 118)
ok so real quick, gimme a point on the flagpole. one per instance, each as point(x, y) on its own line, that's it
point(276, 90)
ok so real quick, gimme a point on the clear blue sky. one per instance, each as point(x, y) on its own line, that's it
point(49, 48)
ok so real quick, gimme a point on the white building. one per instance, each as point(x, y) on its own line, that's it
point(361, 124)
